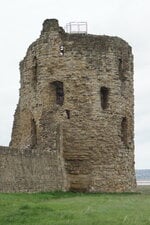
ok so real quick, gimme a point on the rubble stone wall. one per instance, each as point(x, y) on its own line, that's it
point(29, 171)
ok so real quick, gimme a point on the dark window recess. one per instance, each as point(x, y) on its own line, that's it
point(122, 76)
point(68, 113)
point(33, 133)
point(120, 65)
point(59, 92)
point(104, 92)
point(124, 131)
point(34, 71)
point(120, 69)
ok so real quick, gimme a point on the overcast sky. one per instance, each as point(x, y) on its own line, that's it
point(21, 23)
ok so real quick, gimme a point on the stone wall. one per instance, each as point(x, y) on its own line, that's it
point(76, 110)
point(30, 171)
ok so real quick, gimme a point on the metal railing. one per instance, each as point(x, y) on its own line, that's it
point(77, 27)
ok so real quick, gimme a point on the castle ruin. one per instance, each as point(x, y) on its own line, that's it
point(74, 123)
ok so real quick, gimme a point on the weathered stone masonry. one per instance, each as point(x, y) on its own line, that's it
point(74, 123)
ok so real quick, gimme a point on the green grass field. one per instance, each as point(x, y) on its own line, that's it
point(75, 209)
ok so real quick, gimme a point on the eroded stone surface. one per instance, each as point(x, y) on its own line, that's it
point(74, 123)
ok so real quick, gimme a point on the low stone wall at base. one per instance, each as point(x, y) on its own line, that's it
point(29, 171)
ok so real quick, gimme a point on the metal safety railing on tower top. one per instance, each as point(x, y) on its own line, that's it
point(77, 27)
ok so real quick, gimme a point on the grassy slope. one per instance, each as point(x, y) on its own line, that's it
point(74, 209)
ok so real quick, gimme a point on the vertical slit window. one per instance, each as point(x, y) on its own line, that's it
point(104, 92)
point(34, 71)
point(120, 66)
point(121, 70)
point(124, 131)
point(121, 75)
point(59, 92)
point(33, 133)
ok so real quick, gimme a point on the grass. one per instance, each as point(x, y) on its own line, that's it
point(74, 209)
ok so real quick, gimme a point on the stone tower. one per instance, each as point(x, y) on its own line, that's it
point(76, 107)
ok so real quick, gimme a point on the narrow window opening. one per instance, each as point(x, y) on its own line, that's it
point(104, 97)
point(33, 133)
point(61, 50)
point(120, 69)
point(34, 71)
point(124, 131)
point(59, 92)
point(68, 113)
point(121, 75)
point(120, 66)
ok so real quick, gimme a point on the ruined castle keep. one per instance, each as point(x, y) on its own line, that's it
point(74, 123)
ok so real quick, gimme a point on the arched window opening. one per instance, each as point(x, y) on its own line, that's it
point(124, 131)
point(33, 133)
point(59, 92)
point(104, 92)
